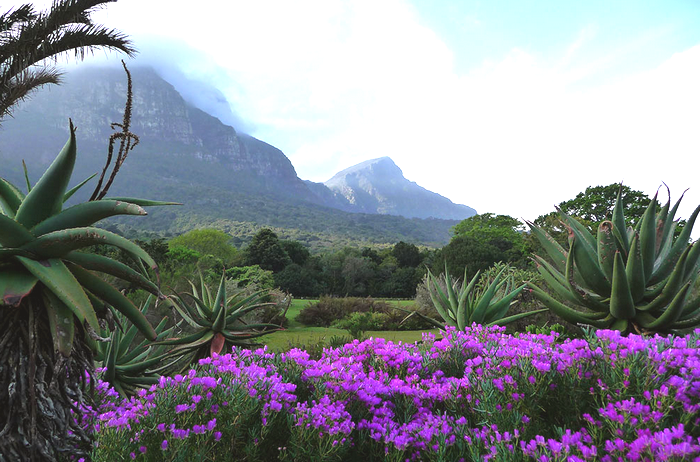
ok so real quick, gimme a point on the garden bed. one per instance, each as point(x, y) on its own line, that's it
point(474, 395)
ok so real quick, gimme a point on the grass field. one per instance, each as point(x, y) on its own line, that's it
point(299, 335)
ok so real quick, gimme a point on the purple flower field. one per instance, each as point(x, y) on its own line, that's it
point(473, 395)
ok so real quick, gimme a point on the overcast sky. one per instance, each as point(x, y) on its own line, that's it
point(506, 106)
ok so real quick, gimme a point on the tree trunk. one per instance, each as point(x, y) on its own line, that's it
point(41, 391)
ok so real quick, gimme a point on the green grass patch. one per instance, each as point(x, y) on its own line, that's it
point(299, 335)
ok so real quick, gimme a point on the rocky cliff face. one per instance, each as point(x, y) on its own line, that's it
point(378, 186)
point(169, 129)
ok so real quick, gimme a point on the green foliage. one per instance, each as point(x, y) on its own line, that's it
point(625, 278)
point(296, 251)
point(300, 281)
point(499, 234)
point(406, 254)
point(330, 309)
point(265, 250)
point(482, 240)
point(590, 208)
point(130, 366)
point(596, 202)
point(216, 321)
point(247, 275)
point(462, 304)
point(207, 242)
point(358, 323)
point(39, 240)
point(545, 330)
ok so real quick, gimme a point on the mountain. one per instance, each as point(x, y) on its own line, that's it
point(378, 186)
point(225, 179)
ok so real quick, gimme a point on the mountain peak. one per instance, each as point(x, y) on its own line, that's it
point(383, 166)
point(378, 186)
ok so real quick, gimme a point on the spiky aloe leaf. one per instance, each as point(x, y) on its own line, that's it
point(607, 246)
point(554, 283)
point(112, 267)
point(59, 280)
point(13, 234)
point(647, 238)
point(664, 268)
point(77, 187)
point(482, 305)
point(499, 309)
point(635, 271)
point(15, 285)
point(219, 308)
point(440, 300)
point(140, 202)
point(673, 311)
point(619, 225)
point(46, 197)
point(59, 243)
point(61, 323)
point(555, 251)
point(569, 314)
point(621, 302)
point(582, 297)
point(515, 317)
point(10, 198)
point(107, 293)
point(86, 214)
point(671, 288)
point(586, 259)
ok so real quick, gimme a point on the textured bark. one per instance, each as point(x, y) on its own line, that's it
point(39, 388)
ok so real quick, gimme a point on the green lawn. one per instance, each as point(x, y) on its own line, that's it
point(297, 334)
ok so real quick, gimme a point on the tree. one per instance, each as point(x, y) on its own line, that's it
point(207, 242)
point(296, 251)
point(357, 273)
point(265, 250)
point(470, 253)
point(495, 237)
point(407, 255)
point(590, 208)
point(300, 281)
point(595, 204)
point(28, 38)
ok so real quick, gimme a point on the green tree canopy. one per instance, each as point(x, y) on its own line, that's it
point(593, 206)
point(501, 236)
point(207, 242)
point(265, 250)
point(407, 255)
point(296, 251)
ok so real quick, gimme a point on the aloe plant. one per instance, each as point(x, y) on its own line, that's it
point(461, 306)
point(50, 298)
point(629, 279)
point(217, 321)
point(128, 366)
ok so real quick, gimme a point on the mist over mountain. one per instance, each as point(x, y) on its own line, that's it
point(225, 179)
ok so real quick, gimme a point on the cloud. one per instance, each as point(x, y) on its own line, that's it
point(334, 83)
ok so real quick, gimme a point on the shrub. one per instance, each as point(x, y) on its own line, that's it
point(358, 323)
point(330, 309)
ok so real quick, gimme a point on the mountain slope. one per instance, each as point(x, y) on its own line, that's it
point(378, 186)
point(225, 179)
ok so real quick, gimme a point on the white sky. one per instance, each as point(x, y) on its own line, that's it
point(503, 112)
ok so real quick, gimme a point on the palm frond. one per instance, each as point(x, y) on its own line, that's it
point(19, 88)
